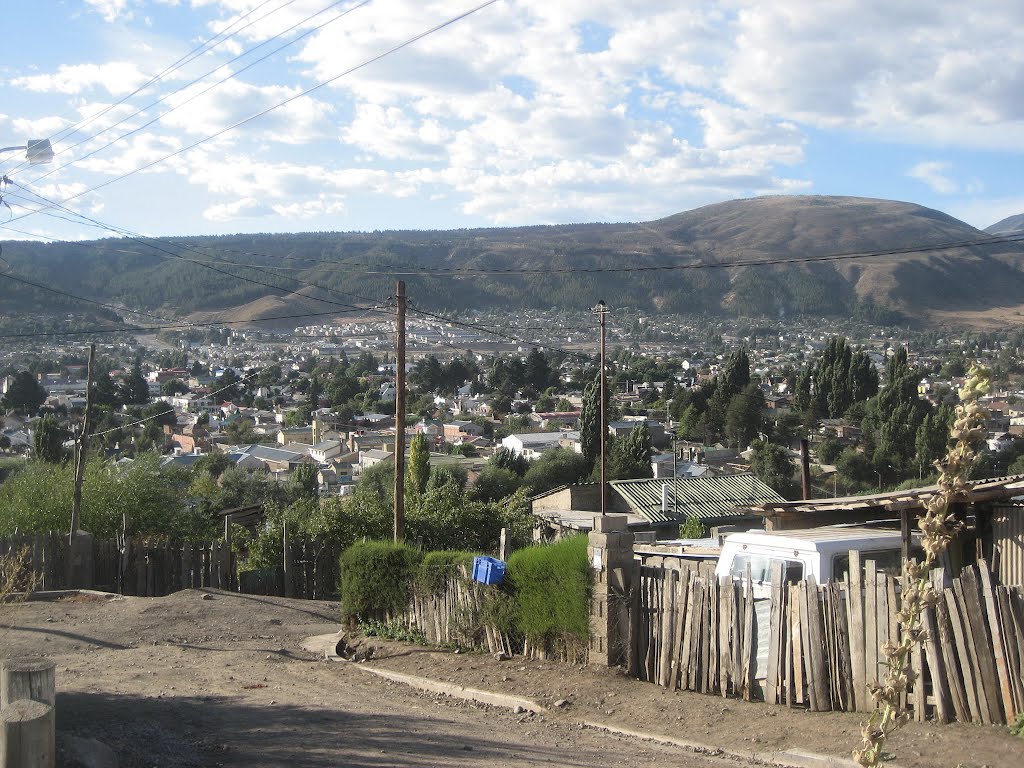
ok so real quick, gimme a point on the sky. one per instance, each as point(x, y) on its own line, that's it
point(188, 117)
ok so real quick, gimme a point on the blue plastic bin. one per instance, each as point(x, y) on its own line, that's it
point(488, 570)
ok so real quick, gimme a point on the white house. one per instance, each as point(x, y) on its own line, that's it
point(533, 444)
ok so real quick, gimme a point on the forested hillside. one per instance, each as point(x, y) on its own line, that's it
point(694, 262)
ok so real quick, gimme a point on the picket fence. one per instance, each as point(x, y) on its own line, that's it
point(820, 643)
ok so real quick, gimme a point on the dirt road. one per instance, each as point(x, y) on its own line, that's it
point(217, 679)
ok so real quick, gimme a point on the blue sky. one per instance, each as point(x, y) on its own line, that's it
point(525, 112)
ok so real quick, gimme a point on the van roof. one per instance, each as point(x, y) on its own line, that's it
point(838, 538)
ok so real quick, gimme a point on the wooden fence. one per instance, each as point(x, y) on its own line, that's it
point(454, 616)
point(133, 566)
point(821, 642)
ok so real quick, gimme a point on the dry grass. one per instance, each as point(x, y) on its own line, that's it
point(16, 578)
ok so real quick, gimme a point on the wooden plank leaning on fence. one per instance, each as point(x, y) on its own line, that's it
point(963, 654)
point(668, 614)
point(773, 683)
point(982, 640)
point(1014, 645)
point(999, 653)
point(679, 624)
point(726, 617)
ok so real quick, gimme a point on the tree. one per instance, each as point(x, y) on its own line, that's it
point(136, 388)
point(48, 440)
point(897, 414)
point(829, 449)
point(631, 455)
point(558, 466)
point(744, 416)
point(104, 391)
point(25, 394)
point(590, 423)
point(837, 379)
point(539, 374)
point(495, 483)
point(418, 471)
point(303, 483)
point(771, 464)
point(174, 387)
point(505, 458)
point(228, 386)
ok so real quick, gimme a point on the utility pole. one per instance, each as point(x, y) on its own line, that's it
point(601, 310)
point(80, 448)
point(400, 413)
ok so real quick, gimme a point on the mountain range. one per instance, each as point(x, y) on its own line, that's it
point(780, 257)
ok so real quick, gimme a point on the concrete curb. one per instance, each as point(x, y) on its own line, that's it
point(790, 758)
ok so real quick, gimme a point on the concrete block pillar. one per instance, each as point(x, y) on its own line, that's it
point(81, 565)
point(610, 551)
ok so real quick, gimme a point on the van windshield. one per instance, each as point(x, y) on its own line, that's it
point(761, 568)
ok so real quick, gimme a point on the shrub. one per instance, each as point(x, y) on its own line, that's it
point(437, 568)
point(551, 587)
point(376, 580)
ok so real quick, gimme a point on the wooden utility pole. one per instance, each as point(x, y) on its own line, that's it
point(601, 310)
point(400, 413)
point(80, 447)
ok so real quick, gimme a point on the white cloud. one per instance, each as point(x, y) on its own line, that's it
point(111, 10)
point(116, 78)
point(936, 175)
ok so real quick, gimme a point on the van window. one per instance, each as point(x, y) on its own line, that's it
point(888, 561)
point(761, 568)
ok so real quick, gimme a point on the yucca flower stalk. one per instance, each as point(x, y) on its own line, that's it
point(939, 526)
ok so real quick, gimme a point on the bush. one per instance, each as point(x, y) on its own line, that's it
point(437, 568)
point(551, 588)
point(376, 580)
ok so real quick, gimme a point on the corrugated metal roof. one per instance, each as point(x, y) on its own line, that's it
point(702, 498)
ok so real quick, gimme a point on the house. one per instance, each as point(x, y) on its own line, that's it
point(324, 451)
point(374, 456)
point(555, 419)
point(663, 467)
point(532, 444)
point(455, 430)
point(653, 504)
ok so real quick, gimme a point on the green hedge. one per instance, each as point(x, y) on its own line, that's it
point(544, 601)
point(551, 587)
point(438, 567)
point(376, 580)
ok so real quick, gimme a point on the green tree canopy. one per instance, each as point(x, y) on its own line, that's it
point(48, 440)
point(25, 394)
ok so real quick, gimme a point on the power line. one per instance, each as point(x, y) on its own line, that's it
point(207, 45)
point(209, 88)
point(289, 100)
point(155, 245)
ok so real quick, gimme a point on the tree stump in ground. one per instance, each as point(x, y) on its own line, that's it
point(27, 731)
point(31, 679)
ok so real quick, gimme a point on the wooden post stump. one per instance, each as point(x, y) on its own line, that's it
point(27, 735)
point(31, 679)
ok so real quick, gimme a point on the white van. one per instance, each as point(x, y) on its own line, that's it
point(821, 552)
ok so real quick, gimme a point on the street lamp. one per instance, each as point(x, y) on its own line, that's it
point(37, 151)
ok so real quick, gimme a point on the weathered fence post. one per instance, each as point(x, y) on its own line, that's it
point(610, 551)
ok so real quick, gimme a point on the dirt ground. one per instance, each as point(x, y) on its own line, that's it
point(207, 678)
